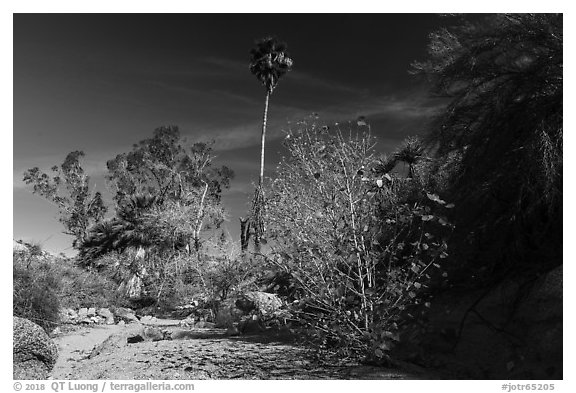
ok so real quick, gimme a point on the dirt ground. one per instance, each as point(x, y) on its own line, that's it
point(102, 352)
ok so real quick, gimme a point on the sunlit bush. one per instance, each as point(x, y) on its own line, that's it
point(361, 246)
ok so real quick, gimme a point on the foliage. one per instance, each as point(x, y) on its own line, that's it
point(269, 61)
point(499, 142)
point(166, 195)
point(85, 288)
point(35, 294)
point(43, 284)
point(360, 247)
point(69, 190)
point(166, 168)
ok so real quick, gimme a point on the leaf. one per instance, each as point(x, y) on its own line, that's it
point(379, 182)
point(415, 269)
point(378, 352)
point(435, 198)
point(388, 177)
point(450, 206)
point(412, 294)
point(417, 285)
point(427, 217)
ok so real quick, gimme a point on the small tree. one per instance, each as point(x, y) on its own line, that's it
point(359, 250)
point(69, 190)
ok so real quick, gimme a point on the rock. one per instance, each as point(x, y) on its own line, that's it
point(107, 315)
point(91, 312)
point(261, 302)
point(34, 353)
point(231, 311)
point(187, 322)
point(125, 314)
point(148, 319)
point(82, 313)
point(121, 323)
point(153, 333)
point(96, 319)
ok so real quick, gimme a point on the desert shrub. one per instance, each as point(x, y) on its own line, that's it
point(85, 288)
point(36, 286)
point(360, 247)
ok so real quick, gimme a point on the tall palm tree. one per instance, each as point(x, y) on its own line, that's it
point(269, 61)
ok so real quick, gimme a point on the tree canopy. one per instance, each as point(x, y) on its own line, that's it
point(69, 190)
point(499, 141)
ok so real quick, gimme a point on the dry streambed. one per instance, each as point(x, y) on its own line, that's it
point(103, 353)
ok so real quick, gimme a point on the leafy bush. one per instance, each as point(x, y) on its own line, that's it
point(85, 288)
point(360, 246)
point(44, 283)
point(36, 286)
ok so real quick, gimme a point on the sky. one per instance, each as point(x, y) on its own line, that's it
point(102, 82)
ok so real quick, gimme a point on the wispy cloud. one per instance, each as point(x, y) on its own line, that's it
point(386, 107)
point(236, 67)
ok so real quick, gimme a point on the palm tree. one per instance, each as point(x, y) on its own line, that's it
point(269, 61)
point(410, 152)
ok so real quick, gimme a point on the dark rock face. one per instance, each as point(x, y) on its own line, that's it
point(34, 353)
point(134, 339)
point(511, 331)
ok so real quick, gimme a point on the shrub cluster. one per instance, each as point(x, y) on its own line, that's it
point(362, 246)
point(44, 283)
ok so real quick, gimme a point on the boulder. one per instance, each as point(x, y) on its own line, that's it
point(125, 314)
point(82, 313)
point(148, 319)
point(153, 334)
point(260, 302)
point(34, 353)
point(107, 315)
point(91, 312)
point(187, 322)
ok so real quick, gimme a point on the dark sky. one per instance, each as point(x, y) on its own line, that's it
point(102, 82)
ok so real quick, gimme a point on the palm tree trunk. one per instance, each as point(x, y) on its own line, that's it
point(261, 179)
